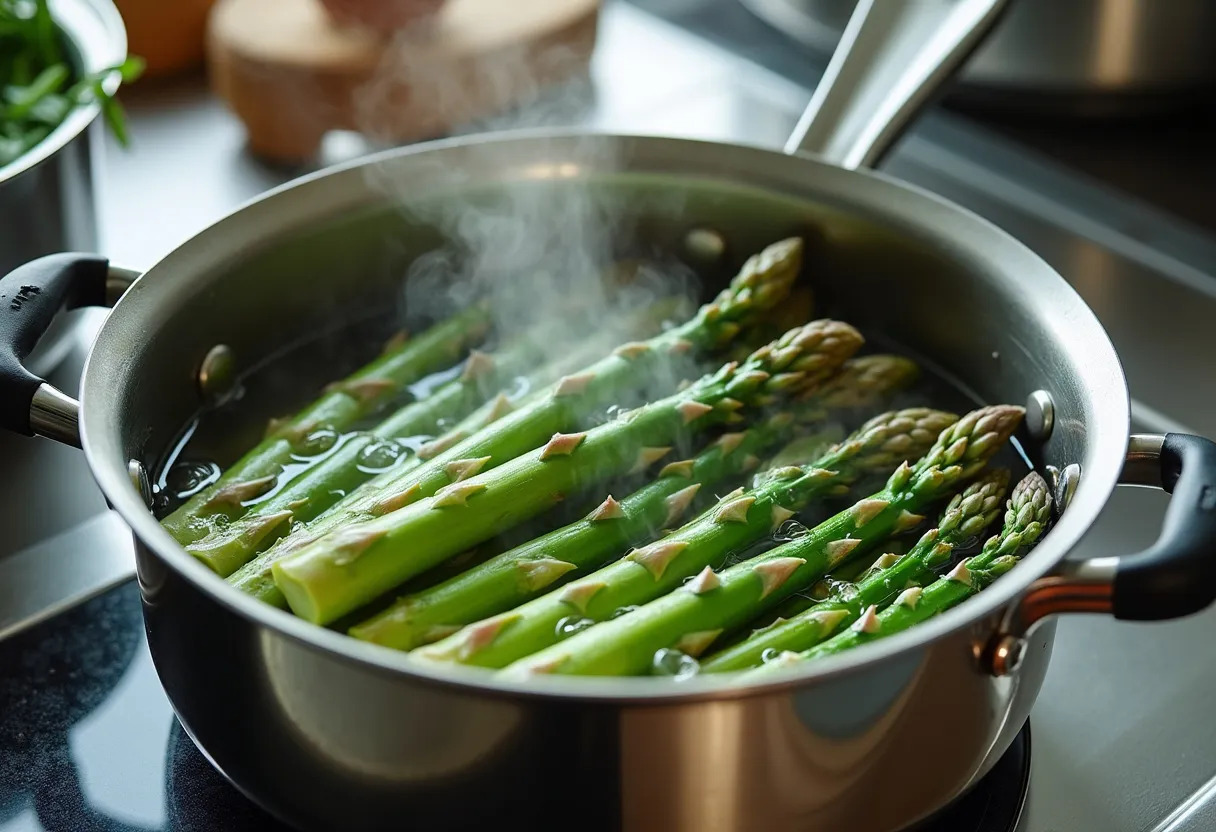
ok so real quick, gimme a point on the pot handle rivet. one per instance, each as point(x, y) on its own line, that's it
point(139, 478)
point(705, 244)
point(217, 373)
point(1004, 655)
point(1040, 414)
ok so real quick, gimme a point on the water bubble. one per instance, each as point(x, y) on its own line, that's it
point(379, 456)
point(670, 662)
point(625, 610)
point(316, 443)
point(768, 654)
point(572, 624)
point(844, 590)
point(790, 530)
point(185, 479)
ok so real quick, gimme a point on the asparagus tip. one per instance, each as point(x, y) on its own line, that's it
point(866, 510)
point(868, 622)
point(572, 385)
point(780, 515)
point(691, 410)
point(735, 511)
point(610, 509)
point(773, 573)
point(694, 644)
point(729, 441)
point(828, 620)
point(838, 550)
point(562, 444)
point(655, 557)
point(960, 573)
point(476, 365)
point(233, 494)
point(647, 457)
point(539, 573)
point(909, 597)
point(704, 581)
point(395, 501)
point(579, 594)
point(682, 468)
point(679, 502)
point(456, 494)
point(462, 469)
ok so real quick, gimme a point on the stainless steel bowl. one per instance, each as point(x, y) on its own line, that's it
point(48, 196)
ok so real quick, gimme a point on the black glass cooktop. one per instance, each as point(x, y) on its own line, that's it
point(88, 742)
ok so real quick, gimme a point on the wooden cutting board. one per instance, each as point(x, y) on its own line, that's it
point(291, 75)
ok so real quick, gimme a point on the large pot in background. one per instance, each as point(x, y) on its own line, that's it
point(1079, 57)
point(330, 733)
point(48, 196)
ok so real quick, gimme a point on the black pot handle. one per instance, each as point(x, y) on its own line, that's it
point(30, 297)
point(1174, 577)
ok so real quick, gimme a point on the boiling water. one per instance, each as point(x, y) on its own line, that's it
point(290, 380)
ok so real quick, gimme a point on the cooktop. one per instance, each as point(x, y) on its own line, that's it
point(1122, 738)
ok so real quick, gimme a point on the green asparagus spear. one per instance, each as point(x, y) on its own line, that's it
point(353, 565)
point(318, 488)
point(762, 283)
point(967, 515)
point(1025, 520)
point(729, 527)
point(532, 568)
point(255, 576)
point(859, 385)
point(691, 618)
point(536, 566)
point(848, 390)
point(324, 484)
point(256, 473)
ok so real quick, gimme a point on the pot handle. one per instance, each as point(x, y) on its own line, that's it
point(30, 297)
point(1174, 577)
point(889, 62)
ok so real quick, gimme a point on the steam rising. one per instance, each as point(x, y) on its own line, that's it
point(540, 245)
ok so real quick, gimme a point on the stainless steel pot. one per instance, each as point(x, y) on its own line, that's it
point(47, 198)
point(329, 733)
point(1081, 56)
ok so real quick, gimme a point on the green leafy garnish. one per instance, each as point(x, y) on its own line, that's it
point(39, 87)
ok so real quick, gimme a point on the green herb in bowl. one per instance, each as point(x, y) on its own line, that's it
point(39, 83)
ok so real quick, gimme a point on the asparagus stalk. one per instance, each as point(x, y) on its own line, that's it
point(342, 403)
point(691, 618)
point(532, 568)
point(1026, 518)
point(728, 527)
point(529, 570)
point(335, 575)
point(255, 576)
point(324, 484)
point(762, 283)
point(967, 515)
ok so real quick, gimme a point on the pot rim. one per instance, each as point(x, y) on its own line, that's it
point(803, 177)
point(99, 35)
